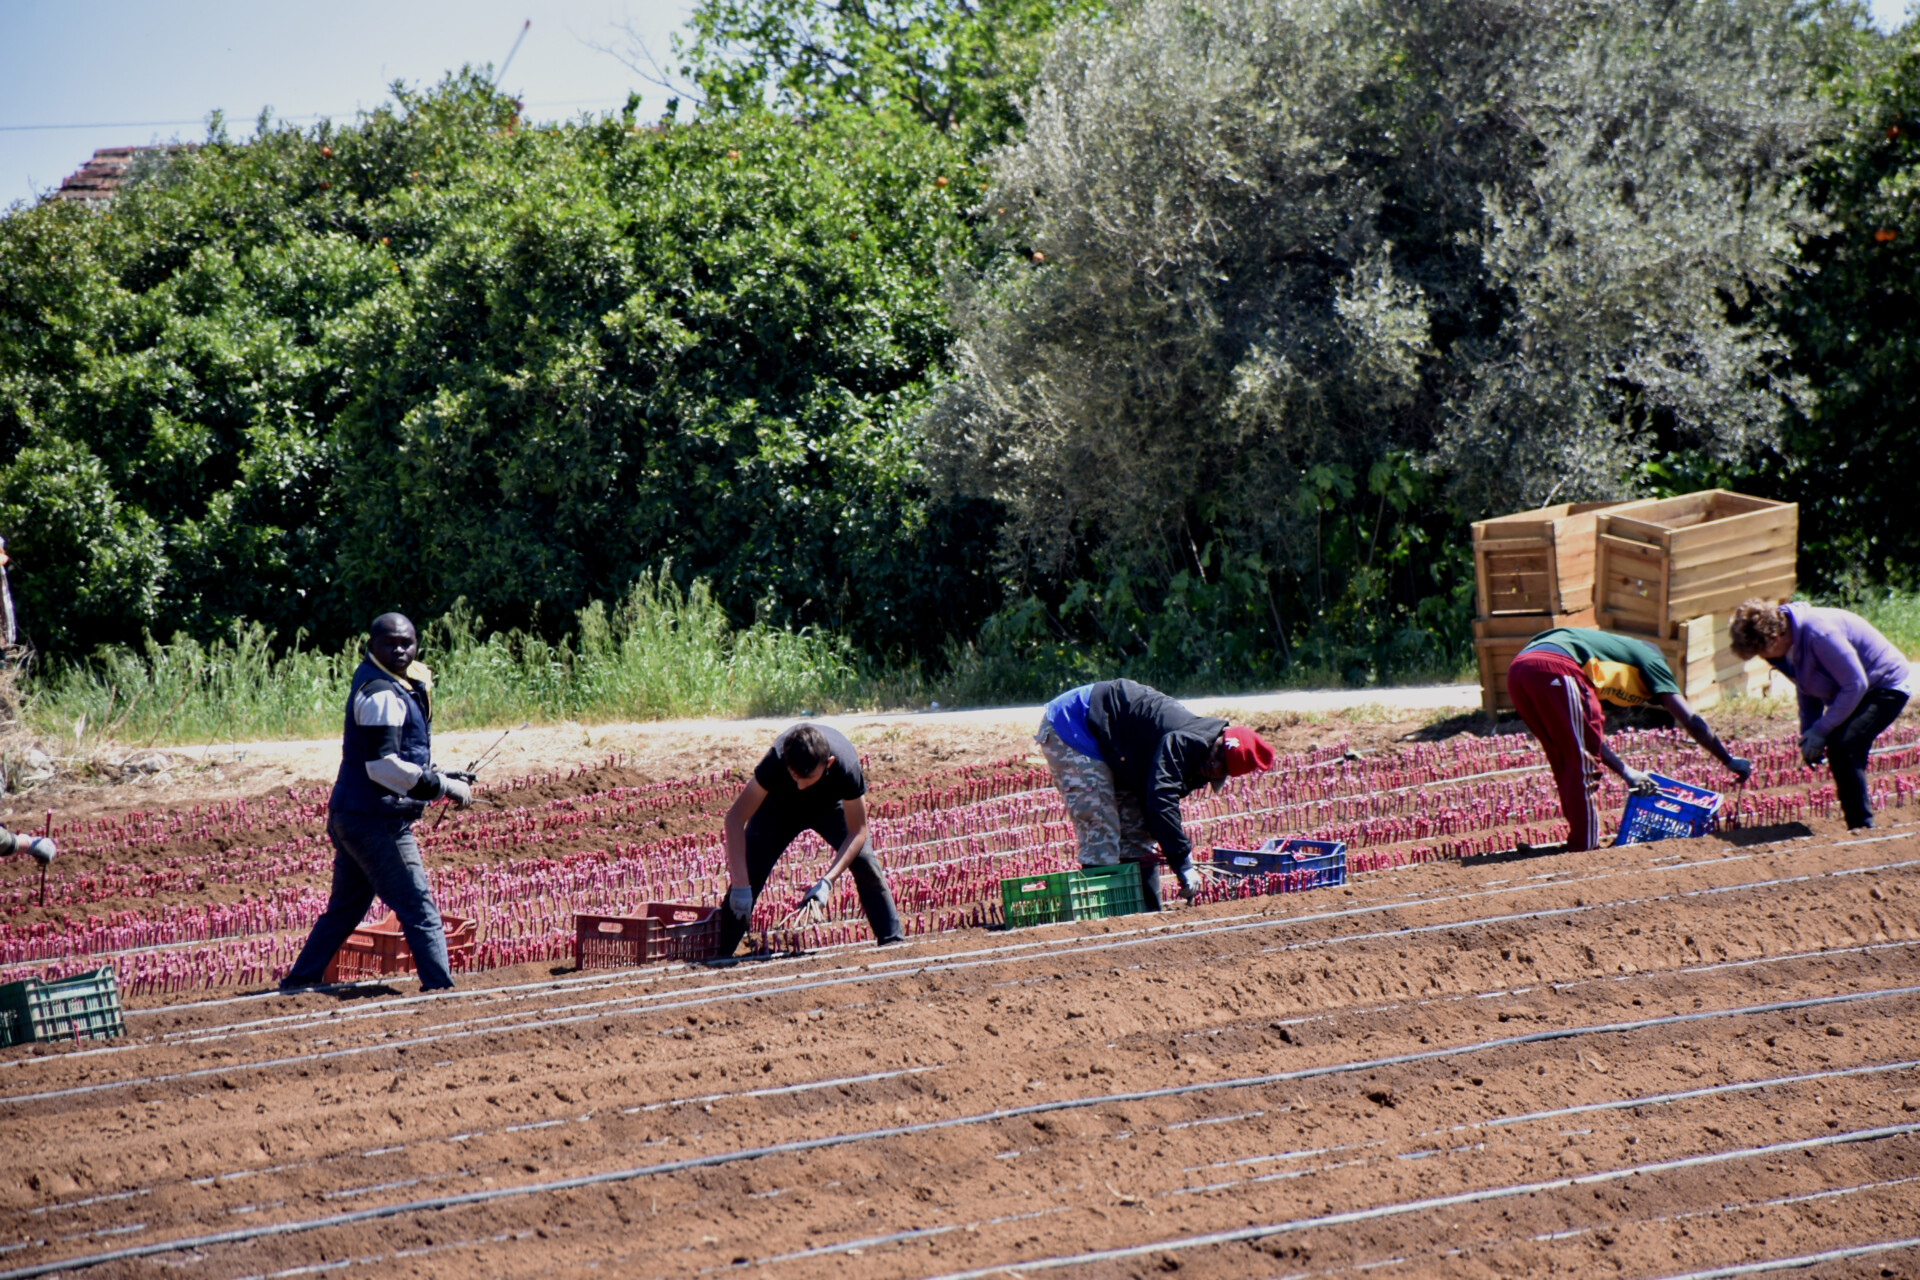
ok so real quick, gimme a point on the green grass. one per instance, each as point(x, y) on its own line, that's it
point(659, 654)
point(1896, 614)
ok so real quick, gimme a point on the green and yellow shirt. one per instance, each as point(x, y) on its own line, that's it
point(1622, 670)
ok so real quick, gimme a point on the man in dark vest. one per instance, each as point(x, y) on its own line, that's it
point(386, 781)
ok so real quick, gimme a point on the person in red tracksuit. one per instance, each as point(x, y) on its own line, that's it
point(1557, 684)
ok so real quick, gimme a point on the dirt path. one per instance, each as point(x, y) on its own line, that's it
point(1640, 1061)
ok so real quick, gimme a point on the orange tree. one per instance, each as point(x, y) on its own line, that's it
point(437, 354)
point(1852, 456)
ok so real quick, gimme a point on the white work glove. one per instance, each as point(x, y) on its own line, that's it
point(41, 847)
point(1189, 878)
point(818, 895)
point(454, 789)
point(1813, 747)
point(740, 901)
point(1640, 784)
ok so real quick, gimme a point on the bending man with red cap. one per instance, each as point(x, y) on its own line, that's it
point(1124, 756)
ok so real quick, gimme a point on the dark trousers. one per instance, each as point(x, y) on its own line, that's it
point(1848, 747)
point(375, 854)
point(769, 834)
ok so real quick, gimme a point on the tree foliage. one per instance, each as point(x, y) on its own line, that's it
point(437, 355)
point(1852, 319)
point(954, 65)
point(1291, 285)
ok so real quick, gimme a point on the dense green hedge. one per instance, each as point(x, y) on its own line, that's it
point(437, 355)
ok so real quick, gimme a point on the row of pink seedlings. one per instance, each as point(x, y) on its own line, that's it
point(941, 880)
point(1489, 812)
point(1053, 845)
point(148, 871)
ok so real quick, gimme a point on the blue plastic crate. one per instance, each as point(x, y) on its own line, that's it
point(1680, 811)
point(1317, 863)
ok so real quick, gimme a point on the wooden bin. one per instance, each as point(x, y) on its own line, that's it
point(1497, 640)
point(1700, 654)
point(1666, 561)
point(1702, 658)
point(1536, 562)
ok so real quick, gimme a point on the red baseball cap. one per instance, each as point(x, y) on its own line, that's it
point(1246, 751)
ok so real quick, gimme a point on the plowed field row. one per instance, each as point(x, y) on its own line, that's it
point(1649, 1061)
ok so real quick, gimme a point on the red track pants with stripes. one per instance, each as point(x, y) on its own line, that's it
point(1557, 701)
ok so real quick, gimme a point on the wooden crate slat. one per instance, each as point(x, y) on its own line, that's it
point(1780, 588)
point(1525, 626)
point(1624, 555)
point(1518, 593)
point(1629, 529)
point(1761, 566)
point(1696, 638)
point(1775, 528)
point(1555, 541)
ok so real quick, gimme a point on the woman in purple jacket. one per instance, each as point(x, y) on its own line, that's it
point(1852, 685)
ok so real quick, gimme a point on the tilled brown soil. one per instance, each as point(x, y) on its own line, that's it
point(1647, 1061)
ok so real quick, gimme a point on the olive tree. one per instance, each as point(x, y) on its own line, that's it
point(1293, 280)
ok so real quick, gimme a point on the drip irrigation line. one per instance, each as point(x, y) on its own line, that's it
point(1800, 1262)
point(598, 1010)
point(1616, 1104)
point(901, 1237)
point(1656, 1220)
point(1046, 948)
point(774, 1091)
point(1401, 1209)
point(1558, 1113)
point(807, 1086)
point(1688, 1095)
point(801, 1146)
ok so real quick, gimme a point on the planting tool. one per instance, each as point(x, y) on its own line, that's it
point(472, 772)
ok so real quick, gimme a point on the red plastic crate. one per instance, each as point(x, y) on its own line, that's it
point(380, 950)
point(668, 931)
point(682, 932)
point(609, 942)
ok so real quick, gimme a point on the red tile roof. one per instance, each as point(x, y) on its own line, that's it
point(100, 177)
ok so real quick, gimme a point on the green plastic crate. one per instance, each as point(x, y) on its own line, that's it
point(85, 1007)
point(1088, 894)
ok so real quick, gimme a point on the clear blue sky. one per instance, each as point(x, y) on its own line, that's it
point(121, 65)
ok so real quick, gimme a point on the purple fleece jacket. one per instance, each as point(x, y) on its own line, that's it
point(1835, 658)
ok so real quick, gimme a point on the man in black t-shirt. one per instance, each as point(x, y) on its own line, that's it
point(810, 780)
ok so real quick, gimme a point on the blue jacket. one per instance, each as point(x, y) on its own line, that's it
point(386, 747)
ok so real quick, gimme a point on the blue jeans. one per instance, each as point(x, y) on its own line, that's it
point(375, 854)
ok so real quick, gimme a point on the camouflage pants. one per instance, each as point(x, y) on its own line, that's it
point(1108, 824)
